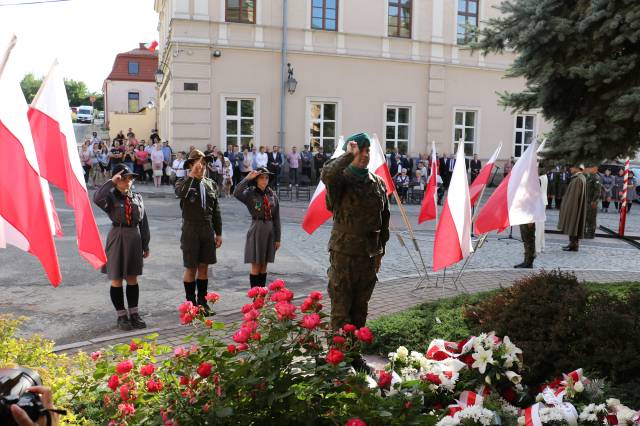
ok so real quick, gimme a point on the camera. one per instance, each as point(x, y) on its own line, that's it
point(13, 390)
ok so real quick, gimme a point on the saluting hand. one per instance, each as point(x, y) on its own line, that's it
point(117, 177)
point(253, 174)
point(352, 148)
point(197, 170)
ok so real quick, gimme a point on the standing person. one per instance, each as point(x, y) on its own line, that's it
point(95, 172)
point(245, 165)
point(476, 166)
point(293, 158)
point(449, 165)
point(94, 139)
point(306, 158)
point(553, 176)
point(318, 162)
point(618, 187)
point(115, 156)
point(167, 153)
point(594, 191)
point(201, 227)
point(207, 152)
point(103, 161)
point(508, 165)
point(402, 184)
point(274, 166)
point(541, 243)
point(632, 194)
point(227, 177)
point(154, 136)
point(564, 177)
point(127, 243)
point(129, 158)
point(157, 164)
point(215, 169)
point(608, 183)
point(142, 158)
point(573, 210)
point(178, 167)
point(237, 160)
point(130, 133)
point(358, 200)
point(263, 237)
point(86, 157)
point(119, 137)
point(528, 234)
point(262, 159)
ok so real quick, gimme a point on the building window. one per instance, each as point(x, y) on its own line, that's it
point(134, 68)
point(240, 120)
point(322, 131)
point(193, 87)
point(134, 101)
point(397, 129)
point(524, 133)
point(465, 130)
point(243, 11)
point(400, 18)
point(324, 15)
point(467, 20)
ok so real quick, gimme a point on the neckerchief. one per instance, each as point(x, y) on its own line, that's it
point(128, 209)
point(203, 195)
point(267, 207)
point(358, 171)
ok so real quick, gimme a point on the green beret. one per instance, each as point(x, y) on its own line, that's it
point(362, 139)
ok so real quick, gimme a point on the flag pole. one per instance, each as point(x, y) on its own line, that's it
point(5, 57)
point(623, 208)
point(407, 223)
point(403, 244)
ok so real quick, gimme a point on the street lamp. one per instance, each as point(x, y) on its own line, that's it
point(292, 83)
point(159, 77)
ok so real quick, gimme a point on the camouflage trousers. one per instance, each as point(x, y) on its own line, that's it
point(528, 234)
point(351, 283)
point(591, 223)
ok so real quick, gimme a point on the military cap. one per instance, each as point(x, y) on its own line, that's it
point(363, 140)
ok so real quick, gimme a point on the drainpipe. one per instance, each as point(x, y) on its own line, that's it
point(283, 73)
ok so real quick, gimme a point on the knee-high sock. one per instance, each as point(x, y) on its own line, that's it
point(133, 294)
point(254, 280)
point(202, 290)
point(117, 298)
point(190, 291)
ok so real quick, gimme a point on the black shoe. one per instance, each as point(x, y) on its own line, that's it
point(204, 307)
point(136, 321)
point(526, 265)
point(569, 248)
point(124, 324)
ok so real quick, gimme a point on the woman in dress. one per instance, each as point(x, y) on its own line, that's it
point(127, 243)
point(227, 180)
point(142, 157)
point(263, 237)
point(608, 182)
point(618, 186)
point(86, 157)
point(245, 165)
point(157, 163)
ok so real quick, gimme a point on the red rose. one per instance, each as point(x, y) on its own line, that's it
point(212, 297)
point(124, 393)
point(256, 336)
point(133, 346)
point(355, 422)
point(364, 335)
point(232, 348)
point(204, 369)
point(154, 386)
point(284, 295)
point(96, 355)
point(276, 285)
point(338, 340)
point(251, 315)
point(246, 308)
point(114, 382)
point(242, 347)
point(433, 378)
point(126, 409)
point(124, 367)
point(147, 370)
point(285, 310)
point(186, 319)
point(262, 291)
point(307, 305)
point(251, 326)
point(253, 292)
point(315, 295)
point(208, 323)
point(310, 321)
point(509, 395)
point(180, 352)
point(384, 380)
point(241, 336)
point(259, 302)
point(349, 328)
point(334, 356)
point(185, 307)
point(184, 380)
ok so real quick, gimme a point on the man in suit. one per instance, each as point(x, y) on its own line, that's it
point(274, 165)
point(476, 165)
point(447, 170)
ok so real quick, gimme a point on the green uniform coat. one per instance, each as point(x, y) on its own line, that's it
point(573, 211)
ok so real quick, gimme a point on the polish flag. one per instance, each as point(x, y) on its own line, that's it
point(317, 213)
point(517, 200)
point(429, 209)
point(59, 162)
point(453, 234)
point(483, 178)
point(24, 197)
point(151, 46)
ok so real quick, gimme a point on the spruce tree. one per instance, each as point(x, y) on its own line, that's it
point(581, 63)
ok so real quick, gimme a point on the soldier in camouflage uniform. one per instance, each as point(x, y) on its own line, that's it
point(201, 227)
point(358, 200)
point(528, 234)
point(594, 193)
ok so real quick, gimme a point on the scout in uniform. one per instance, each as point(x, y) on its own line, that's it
point(201, 227)
point(573, 210)
point(528, 234)
point(594, 192)
point(263, 237)
point(358, 200)
point(127, 242)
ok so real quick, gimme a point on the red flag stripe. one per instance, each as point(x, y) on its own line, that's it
point(495, 212)
point(446, 246)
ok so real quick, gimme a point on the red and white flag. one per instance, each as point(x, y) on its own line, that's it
point(517, 200)
point(59, 162)
point(151, 46)
point(317, 213)
point(429, 207)
point(481, 181)
point(24, 196)
point(453, 234)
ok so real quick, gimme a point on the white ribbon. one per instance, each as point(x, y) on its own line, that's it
point(568, 410)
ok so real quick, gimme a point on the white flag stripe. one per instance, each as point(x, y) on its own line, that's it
point(459, 204)
point(524, 196)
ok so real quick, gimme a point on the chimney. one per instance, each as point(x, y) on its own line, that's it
point(142, 46)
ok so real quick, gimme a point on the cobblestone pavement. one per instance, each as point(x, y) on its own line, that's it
point(80, 310)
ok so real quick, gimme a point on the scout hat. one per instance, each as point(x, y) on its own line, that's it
point(126, 171)
point(363, 140)
point(194, 156)
point(263, 171)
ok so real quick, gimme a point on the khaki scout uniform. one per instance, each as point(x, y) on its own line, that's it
point(594, 192)
point(201, 220)
point(360, 231)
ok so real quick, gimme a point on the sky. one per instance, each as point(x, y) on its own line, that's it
point(84, 35)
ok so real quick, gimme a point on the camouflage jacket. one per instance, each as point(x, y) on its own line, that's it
point(191, 202)
point(594, 187)
point(360, 209)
